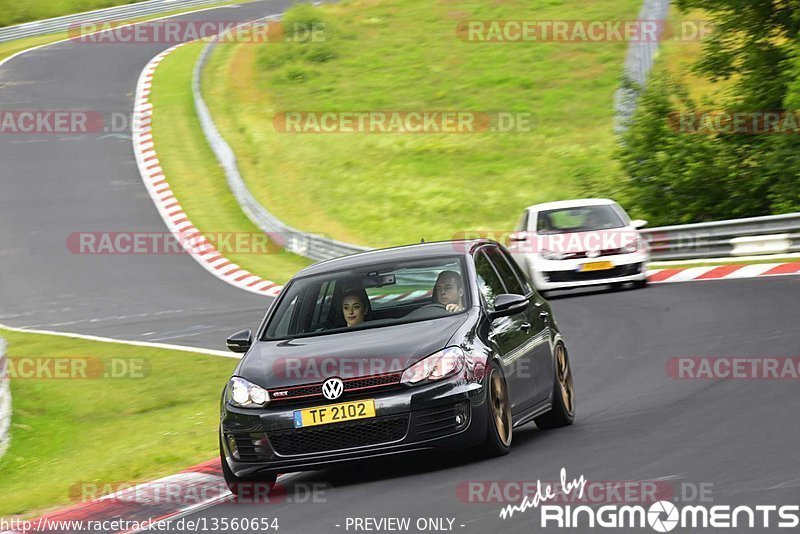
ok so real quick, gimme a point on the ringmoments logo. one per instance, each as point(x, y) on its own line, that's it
point(660, 516)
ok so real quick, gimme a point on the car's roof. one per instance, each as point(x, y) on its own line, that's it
point(384, 255)
point(577, 203)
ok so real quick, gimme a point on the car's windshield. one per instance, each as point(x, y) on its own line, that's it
point(580, 219)
point(370, 296)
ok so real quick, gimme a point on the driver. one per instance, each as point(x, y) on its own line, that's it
point(449, 291)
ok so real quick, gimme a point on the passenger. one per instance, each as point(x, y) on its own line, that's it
point(355, 306)
point(449, 291)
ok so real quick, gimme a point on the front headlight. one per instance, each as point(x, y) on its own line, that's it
point(550, 255)
point(631, 247)
point(245, 394)
point(437, 366)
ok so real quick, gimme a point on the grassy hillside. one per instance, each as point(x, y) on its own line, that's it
point(404, 55)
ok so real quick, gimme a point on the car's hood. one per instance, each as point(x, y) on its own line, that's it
point(366, 352)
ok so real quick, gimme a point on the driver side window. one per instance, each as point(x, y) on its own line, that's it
point(489, 282)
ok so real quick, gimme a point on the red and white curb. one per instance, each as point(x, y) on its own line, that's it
point(148, 503)
point(193, 241)
point(721, 272)
point(138, 508)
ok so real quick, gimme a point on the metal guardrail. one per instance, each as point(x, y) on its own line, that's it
point(119, 13)
point(313, 246)
point(638, 63)
point(774, 234)
point(5, 401)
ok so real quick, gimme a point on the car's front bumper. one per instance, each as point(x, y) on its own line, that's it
point(265, 441)
point(565, 274)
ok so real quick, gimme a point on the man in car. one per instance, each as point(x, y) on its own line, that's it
point(449, 291)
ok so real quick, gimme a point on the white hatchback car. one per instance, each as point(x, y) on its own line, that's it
point(577, 243)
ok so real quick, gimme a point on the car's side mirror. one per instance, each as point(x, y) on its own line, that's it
point(508, 304)
point(638, 223)
point(240, 341)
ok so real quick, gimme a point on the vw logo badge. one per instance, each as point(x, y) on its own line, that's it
point(332, 388)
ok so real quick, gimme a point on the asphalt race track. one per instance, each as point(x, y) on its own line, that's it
point(634, 422)
point(53, 186)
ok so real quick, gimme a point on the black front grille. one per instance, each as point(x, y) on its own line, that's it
point(339, 435)
point(250, 447)
point(351, 386)
point(435, 422)
point(575, 276)
point(584, 254)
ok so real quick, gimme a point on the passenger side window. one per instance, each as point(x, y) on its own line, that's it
point(488, 281)
point(510, 279)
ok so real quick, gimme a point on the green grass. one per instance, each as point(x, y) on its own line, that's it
point(10, 48)
point(17, 12)
point(106, 430)
point(192, 170)
point(389, 189)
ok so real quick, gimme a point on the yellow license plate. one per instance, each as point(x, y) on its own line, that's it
point(334, 413)
point(597, 266)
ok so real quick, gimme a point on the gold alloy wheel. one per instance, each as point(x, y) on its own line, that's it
point(564, 375)
point(501, 409)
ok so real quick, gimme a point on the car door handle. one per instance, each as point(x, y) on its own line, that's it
point(526, 327)
point(544, 315)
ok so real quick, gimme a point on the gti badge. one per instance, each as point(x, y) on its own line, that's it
point(332, 388)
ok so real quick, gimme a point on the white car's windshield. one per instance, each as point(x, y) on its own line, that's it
point(580, 219)
point(370, 296)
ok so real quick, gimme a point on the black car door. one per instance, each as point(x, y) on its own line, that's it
point(509, 334)
point(539, 375)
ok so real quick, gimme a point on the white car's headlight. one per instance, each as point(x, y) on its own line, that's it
point(437, 366)
point(245, 394)
point(632, 247)
point(550, 255)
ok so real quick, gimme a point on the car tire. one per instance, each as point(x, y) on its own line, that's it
point(640, 284)
point(499, 430)
point(240, 486)
point(563, 411)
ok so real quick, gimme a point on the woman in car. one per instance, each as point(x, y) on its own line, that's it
point(355, 306)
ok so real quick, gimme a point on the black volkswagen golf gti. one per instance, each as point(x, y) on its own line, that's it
point(429, 346)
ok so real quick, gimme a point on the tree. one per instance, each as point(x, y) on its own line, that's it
point(673, 176)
